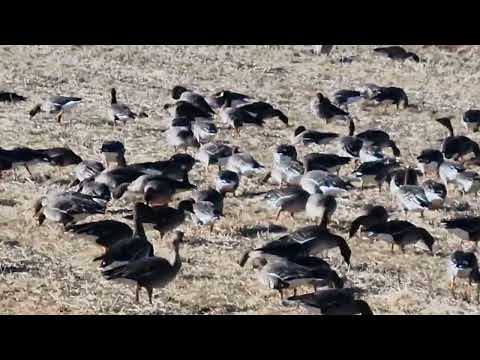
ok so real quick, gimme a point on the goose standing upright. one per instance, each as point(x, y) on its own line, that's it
point(119, 111)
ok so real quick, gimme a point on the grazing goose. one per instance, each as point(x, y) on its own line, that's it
point(463, 265)
point(238, 117)
point(374, 172)
point(321, 207)
point(465, 228)
point(311, 137)
point(351, 145)
point(60, 156)
point(401, 233)
point(183, 94)
point(376, 138)
point(332, 302)
point(152, 271)
point(86, 169)
point(431, 160)
point(262, 110)
point(370, 154)
point(435, 192)
point(412, 198)
point(396, 53)
point(243, 164)
point(471, 120)
point(284, 152)
point(161, 218)
point(286, 171)
point(181, 137)
point(213, 153)
point(119, 111)
point(217, 100)
point(104, 232)
point(322, 108)
point(375, 215)
point(468, 182)
point(94, 189)
point(204, 212)
point(390, 96)
point(325, 162)
point(176, 167)
point(323, 182)
point(204, 130)
point(456, 147)
point(67, 207)
point(227, 182)
point(185, 109)
point(114, 153)
point(6, 96)
point(292, 199)
point(343, 98)
point(306, 241)
point(23, 156)
point(279, 274)
point(56, 105)
point(212, 196)
point(156, 190)
point(127, 249)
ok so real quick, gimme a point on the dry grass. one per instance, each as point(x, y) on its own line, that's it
point(43, 271)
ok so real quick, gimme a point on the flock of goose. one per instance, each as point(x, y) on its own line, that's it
point(313, 185)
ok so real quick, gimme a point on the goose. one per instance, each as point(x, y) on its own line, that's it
point(471, 120)
point(237, 117)
point(263, 110)
point(67, 207)
point(370, 154)
point(104, 233)
point(56, 105)
point(326, 162)
point(312, 137)
point(468, 182)
point(23, 156)
point(332, 302)
point(284, 152)
point(463, 265)
point(94, 189)
point(227, 182)
point(374, 172)
point(343, 98)
point(321, 207)
point(291, 199)
point(127, 249)
point(456, 146)
point(204, 212)
point(176, 167)
point(217, 100)
point(350, 145)
point(213, 153)
point(431, 160)
point(305, 241)
point(319, 181)
point(156, 190)
point(181, 137)
point(185, 109)
point(161, 218)
point(280, 274)
point(322, 108)
point(113, 153)
point(210, 195)
point(204, 130)
point(390, 95)
point(412, 198)
point(119, 111)
point(152, 271)
point(401, 233)
point(435, 192)
point(243, 163)
point(86, 169)
point(466, 228)
point(286, 171)
point(183, 94)
point(374, 215)
point(7, 96)
point(61, 156)
point(376, 138)
point(396, 53)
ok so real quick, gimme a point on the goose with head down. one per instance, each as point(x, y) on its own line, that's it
point(457, 146)
point(322, 108)
point(319, 181)
point(56, 105)
point(373, 216)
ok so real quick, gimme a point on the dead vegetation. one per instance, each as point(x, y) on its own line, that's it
point(44, 271)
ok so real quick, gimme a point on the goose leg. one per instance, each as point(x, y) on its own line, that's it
point(452, 287)
point(295, 292)
point(29, 172)
point(393, 248)
point(59, 117)
point(137, 293)
point(278, 214)
point(150, 294)
point(211, 227)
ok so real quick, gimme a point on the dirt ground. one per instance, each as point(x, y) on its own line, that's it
point(44, 271)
